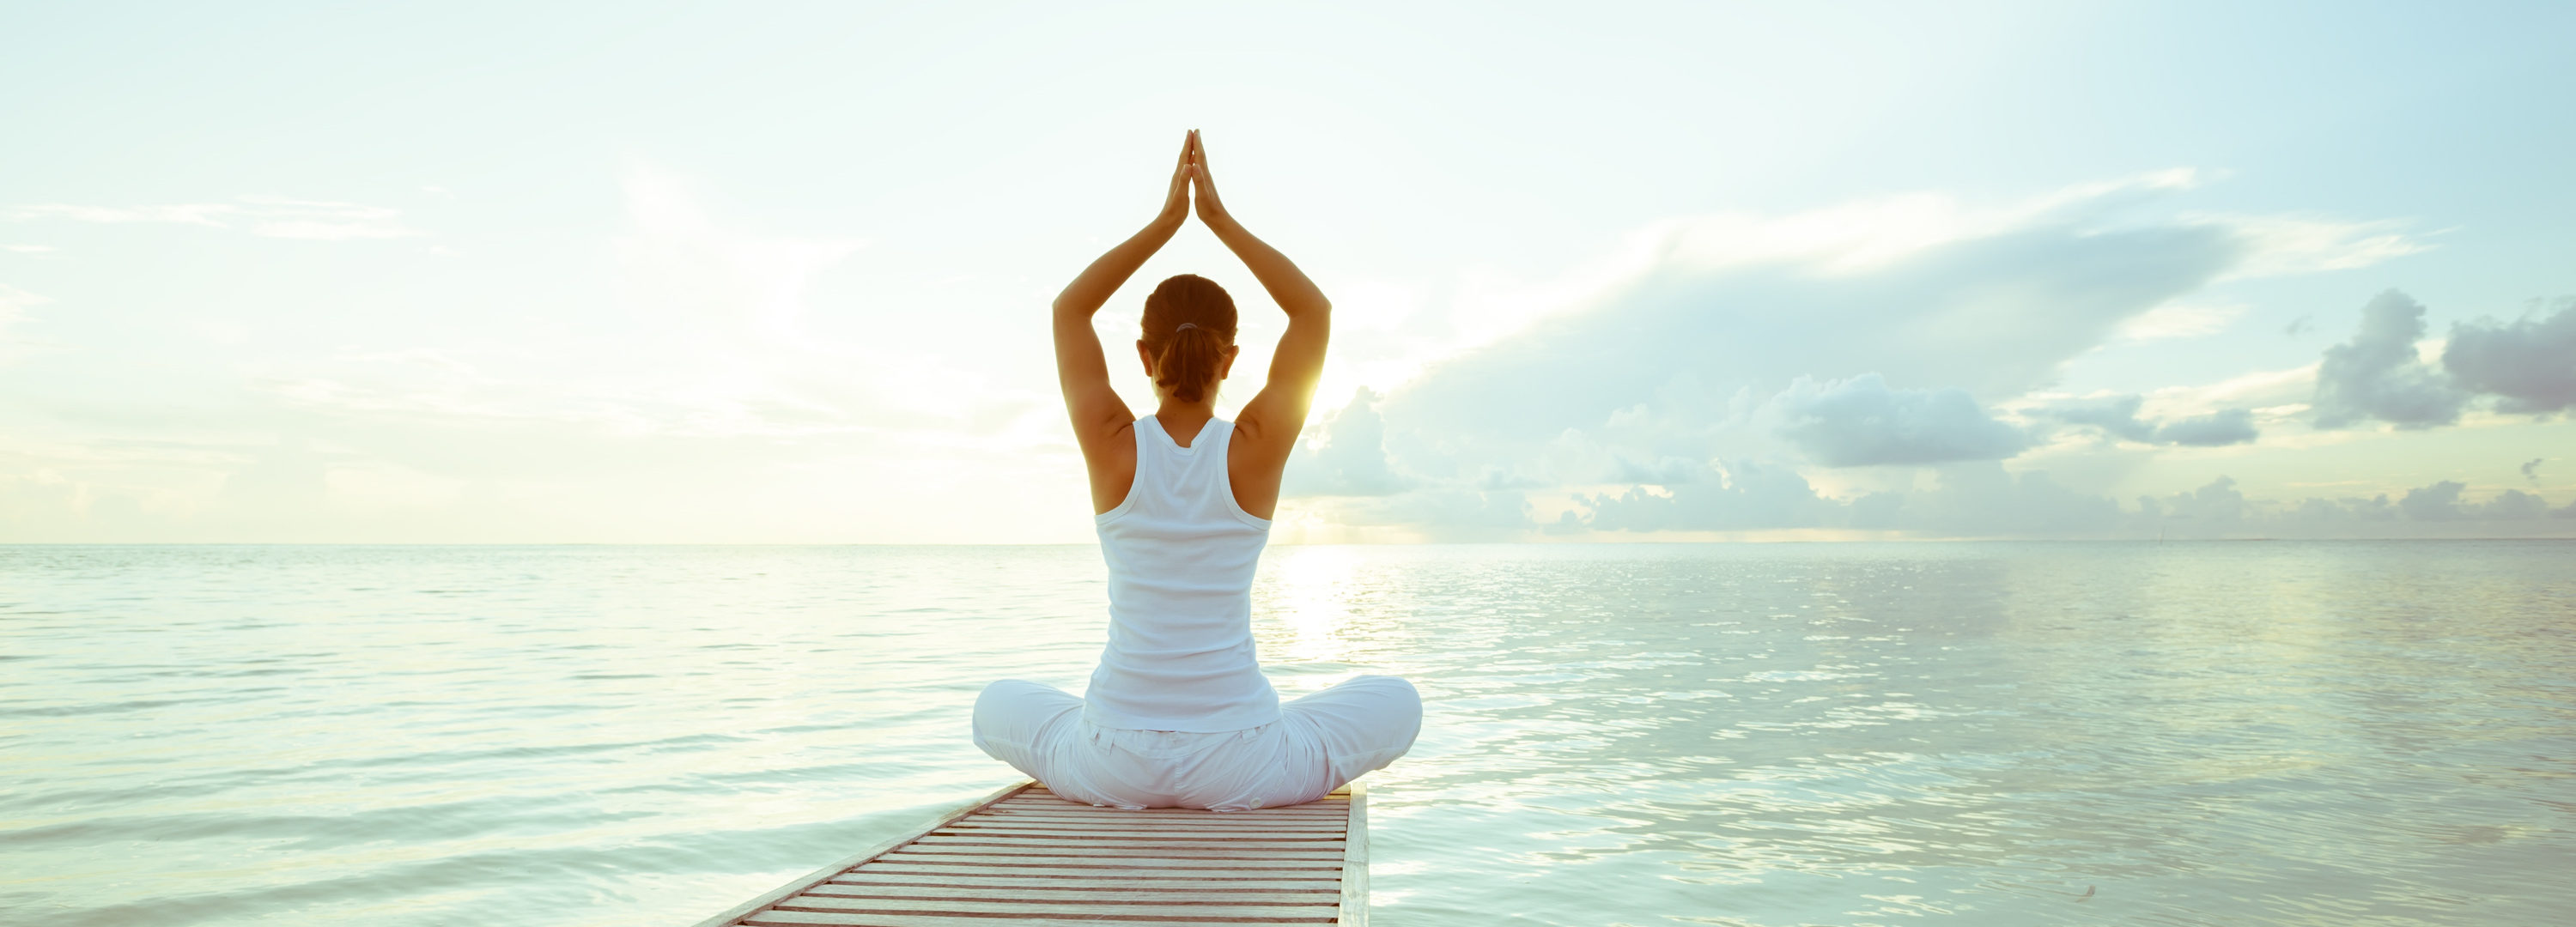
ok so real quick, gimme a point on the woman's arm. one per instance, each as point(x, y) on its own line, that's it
point(1269, 424)
point(1080, 368)
point(1299, 363)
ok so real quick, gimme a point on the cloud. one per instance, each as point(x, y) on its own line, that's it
point(1909, 331)
point(1345, 455)
point(319, 220)
point(2217, 429)
point(2442, 502)
point(2343, 513)
point(263, 216)
point(1861, 422)
point(2530, 363)
point(1661, 471)
point(1982, 499)
point(2179, 320)
point(2516, 505)
point(1991, 316)
point(2212, 509)
point(2438, 502)
point(2117, 417)
point(1919, 289)
point(2218, 509)
point(1696, 320)
point(2531, 468)
point(2377, 375)
point(1972, 499)
point(175, 214)
point(2288, 245)
point(1967, 499)
point(1742, 495)
point(1728, 373)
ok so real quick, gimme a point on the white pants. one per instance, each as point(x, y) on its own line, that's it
point(1319, 742)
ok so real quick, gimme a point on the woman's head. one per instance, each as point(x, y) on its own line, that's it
point(1189, 337)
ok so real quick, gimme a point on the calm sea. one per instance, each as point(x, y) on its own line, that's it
point(1988, 733)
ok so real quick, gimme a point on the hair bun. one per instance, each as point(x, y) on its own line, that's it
point(1188, 322)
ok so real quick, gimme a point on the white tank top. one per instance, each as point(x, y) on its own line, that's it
point(1181, 555)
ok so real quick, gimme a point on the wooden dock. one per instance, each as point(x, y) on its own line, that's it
point(1022, 856)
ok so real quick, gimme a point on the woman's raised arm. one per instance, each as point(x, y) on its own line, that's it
point(1080, 368)
point(1272, 420)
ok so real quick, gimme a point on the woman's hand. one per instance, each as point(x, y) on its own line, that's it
point(1211, 209)
point(1176, 200)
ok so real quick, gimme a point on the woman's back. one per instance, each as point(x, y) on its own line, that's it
point(1178, 713)
point(1181, 554)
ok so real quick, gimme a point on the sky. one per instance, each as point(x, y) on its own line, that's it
point(779, 273)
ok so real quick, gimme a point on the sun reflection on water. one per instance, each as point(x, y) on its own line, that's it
point(1301, 605)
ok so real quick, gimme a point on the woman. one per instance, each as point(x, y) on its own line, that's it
point(1178, 713)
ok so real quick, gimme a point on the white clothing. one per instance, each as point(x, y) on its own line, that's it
point(1181, 555)
point(1178, 713)
point(1318, 743)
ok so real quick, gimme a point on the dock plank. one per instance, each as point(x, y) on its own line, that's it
point(1121, 895)
point(871, 877)
point(1096, 873)
point(1106, 844)
point(1050, 806)
point(1075, 861)
point(775, 918)
point(1024, 857)
point(1139, 820)
point(1088, 813)
point(1113, 832)
point(1320, 912)
point(1051, 801)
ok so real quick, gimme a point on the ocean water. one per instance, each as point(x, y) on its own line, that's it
point(1979, 733)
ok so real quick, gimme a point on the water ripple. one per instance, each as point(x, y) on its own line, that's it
point(1747, 735)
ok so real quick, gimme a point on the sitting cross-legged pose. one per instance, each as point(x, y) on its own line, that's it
point(1178, 713)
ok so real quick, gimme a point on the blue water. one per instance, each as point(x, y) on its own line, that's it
point(2215, 733)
